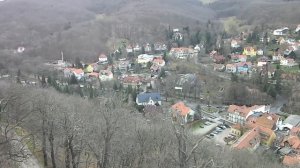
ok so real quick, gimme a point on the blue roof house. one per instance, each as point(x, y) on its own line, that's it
point(148, 99)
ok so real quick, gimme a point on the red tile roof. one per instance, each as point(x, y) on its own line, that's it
point(242, 110)
point(291, 160)
point(181, 108)
point(248, 140)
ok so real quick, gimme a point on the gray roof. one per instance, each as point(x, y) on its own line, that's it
point(293, 120)
point(145, 97)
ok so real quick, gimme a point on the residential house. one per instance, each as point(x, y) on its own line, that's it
point(219, 59)
point(238, 58)
point(159, 47)
point(290, 122)
point(148, 99)
point(243, 67)
point(219, 67)
point(262, 61)
point(239, 114)
point(277, 57)
point(102, 59)
point(260, 52)
point(236, 130)
point(94, 75)
point(181, 113)
point(129, 49)
point(287, 62)
point(235, 43)
point(230, 68)
point(133, 80)
point(281, 32)
point(159, 61)
point(88, 68)
point(291, 160)
point(144, 59)
point(124, 65)
point(106, 75)
point(78, 73)
point(266, 122)
point(148, 48)
point(181, 53)
point(249, 51)
point(197, 49)
point(292, 142)
point(155, 68)
point(137, 48)
point(250, 140)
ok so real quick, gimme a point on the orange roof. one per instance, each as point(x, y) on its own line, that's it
point(237, 126)
point(291, 160)
point(75, 70)
point(294, 141)
point(248, 140)
point(182, 108)
point(242, 110)
point(295, 130)
point(93, 74)
point(266, 120)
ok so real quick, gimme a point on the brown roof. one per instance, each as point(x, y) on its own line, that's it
point(248, 140)
point(266, 120)
point(291, 160)
point(181, 108)
point(242, 110)
point(237, 126)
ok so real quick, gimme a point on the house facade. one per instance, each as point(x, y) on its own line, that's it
point(106, 75)
point(239, 114)
point(281, 32)
point(181, 113)
point(78, 73)
point(249, 51)
point(148, 99)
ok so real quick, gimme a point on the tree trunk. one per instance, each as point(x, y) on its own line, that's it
point(67, 153)
point(51, 140)
point(73, 154)
point(44, 144)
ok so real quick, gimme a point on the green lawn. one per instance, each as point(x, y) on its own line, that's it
point(286, 69)
point(210, 109)
point(196, 125)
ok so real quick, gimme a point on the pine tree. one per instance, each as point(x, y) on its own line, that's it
point(73, 80)
point(19, 76)
point(43, 81)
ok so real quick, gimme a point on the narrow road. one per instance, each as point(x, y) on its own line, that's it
point(277, 105)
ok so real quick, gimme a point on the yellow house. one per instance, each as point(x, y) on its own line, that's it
point(88, 69)
point(267, 136)
point(249, 51)
point(236, 130)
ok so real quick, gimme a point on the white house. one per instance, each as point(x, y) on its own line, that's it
point(239, 114)
point(281, 32)
point(144, 58)
point(148, 99)
point(290, 122)
point(287, 62)
point(137, 48)
point(78, 73)
point(102, 58)
point(106, 75)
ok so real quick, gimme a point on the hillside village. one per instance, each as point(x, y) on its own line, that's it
point(147, 75)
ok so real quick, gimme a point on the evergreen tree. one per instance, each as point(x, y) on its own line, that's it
point(234, 77)
point(19, 76)
point(50, 80)
point(143, 50)
point(73, 80)
point(78, 63)
point(91, 91)
point(115, 86)
point(43, 81)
